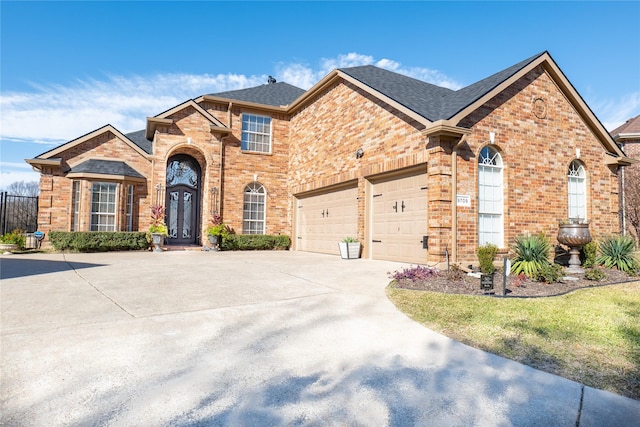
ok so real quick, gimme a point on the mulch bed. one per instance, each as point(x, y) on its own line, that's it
point(462, 283)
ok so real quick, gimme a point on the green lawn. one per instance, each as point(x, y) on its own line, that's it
point(591, 336)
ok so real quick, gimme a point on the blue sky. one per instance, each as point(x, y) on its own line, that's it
point(68, 68)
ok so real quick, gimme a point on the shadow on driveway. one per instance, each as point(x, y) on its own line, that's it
point(11, 268)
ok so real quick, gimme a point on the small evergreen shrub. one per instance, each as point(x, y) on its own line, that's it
point(531, 255)
point(98, 241)
point(549, 273)
point(588, 254)
point(594, 274)
point(249, 242)
point(486, 254)
point(16, 237)
point(618, 252)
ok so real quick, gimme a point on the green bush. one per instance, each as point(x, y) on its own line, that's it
point(594, 274)
point(549, 273)
point(486, 254)
point(16, 237)
point(531, 255)
point(588, 254)
point(98, 241)
point(248, 242)
point(617, 252)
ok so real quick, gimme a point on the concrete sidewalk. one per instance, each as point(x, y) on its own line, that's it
point(251, 338)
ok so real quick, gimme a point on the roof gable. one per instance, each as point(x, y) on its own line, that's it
point(162, 119)
point(630, 128)
point(86, 137)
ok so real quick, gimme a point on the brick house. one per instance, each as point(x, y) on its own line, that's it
point(418, 173)
point(628, 137)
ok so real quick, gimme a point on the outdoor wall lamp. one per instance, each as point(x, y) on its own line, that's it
point(359, 153)
point(214, 200)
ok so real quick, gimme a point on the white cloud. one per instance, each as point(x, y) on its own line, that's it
point(53, 114)
point(614, 112)
point(9, 176)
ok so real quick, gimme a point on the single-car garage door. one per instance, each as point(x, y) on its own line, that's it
point(325, 219)
point(399, 218)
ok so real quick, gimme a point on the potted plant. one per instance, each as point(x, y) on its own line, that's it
point(158, 228)
point(575, 234)
point(486, 254)
point(216, 232)
point(349, 248)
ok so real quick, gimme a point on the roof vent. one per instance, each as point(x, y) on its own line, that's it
point(271, 80)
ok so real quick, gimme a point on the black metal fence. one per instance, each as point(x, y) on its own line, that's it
point(18, 212)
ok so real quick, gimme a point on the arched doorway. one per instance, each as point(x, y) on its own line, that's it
point(183, 200)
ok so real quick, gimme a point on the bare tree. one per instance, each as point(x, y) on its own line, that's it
point(24, 188)
point(632, 200)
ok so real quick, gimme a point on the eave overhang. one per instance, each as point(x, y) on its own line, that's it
point(109, 177)
point(621, 137)
point(445, 128)
point(153, 123)
point(38, 164)
point(253, 105)
point(219, 130)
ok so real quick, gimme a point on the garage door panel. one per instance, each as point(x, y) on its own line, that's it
point(399, 219)
point(325, 219)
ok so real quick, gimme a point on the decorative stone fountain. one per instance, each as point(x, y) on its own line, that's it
point(574, 235)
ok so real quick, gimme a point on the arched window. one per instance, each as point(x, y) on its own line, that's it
point(577, 191)
point(490, 197)
point(253, 210)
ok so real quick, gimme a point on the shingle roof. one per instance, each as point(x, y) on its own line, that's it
point(431, 101)
point(139, 138)
point(630, 126)
point(106, 167)
point(275, 94)
point(421, 97)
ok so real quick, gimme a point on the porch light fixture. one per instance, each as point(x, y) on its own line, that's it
point(359, 153)
point(214, 201)
point(158, 193)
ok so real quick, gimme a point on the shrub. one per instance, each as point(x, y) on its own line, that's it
point(549, 273)
point(248, 242)
point(617, 252)
point(594, 274)
point(16, 237)
point(531, 254)
point(588, 254)
point(486, 254)
point(98, 241)
point(414, 273)
point(455, 273)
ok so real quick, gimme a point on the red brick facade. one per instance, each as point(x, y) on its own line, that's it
point(538, 131)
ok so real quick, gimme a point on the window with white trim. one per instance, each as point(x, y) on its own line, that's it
point(577, 191)
point(490, 198)
point(103, 206)
point(256, 133)
point(129, 208)
point(253, 209)
point(75, 204)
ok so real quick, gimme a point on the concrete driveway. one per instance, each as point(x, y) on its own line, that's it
point(251, 338)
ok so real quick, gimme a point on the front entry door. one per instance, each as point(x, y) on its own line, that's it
point(182, 202)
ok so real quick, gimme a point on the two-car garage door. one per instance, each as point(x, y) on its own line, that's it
point(397, 222)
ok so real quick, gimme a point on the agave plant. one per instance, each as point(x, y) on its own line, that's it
point(531, 255)
point(618, 252)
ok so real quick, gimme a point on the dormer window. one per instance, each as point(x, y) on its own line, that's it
point(256, 133)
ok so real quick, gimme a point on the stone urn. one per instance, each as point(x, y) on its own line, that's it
point(575, 236)
point(6, 248)
point(157, 239)
point(214, 239)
